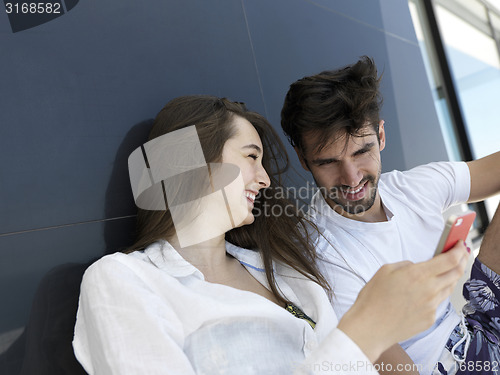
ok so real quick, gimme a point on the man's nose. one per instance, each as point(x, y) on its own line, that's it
point(350, 174)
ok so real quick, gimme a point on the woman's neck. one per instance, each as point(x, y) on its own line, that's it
point(209, 257)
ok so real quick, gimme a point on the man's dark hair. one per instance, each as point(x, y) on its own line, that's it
point(332, 103)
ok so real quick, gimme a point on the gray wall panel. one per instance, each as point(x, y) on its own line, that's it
point(359, 11)
point(27, 257)
point(397, 20)
point(74, 86)
point(413, 112)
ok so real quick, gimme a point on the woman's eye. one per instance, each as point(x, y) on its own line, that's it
point(253, 156)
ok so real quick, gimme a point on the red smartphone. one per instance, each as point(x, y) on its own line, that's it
point(456, 229)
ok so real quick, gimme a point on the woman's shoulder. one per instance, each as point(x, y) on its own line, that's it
point(109, 266)
point(120, 264)
point(158, 261)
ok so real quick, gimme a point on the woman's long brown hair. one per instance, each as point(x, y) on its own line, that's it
point(286, 238)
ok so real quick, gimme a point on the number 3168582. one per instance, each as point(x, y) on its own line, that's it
point(33, 8)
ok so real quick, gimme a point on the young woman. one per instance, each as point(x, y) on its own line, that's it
point(217, 284)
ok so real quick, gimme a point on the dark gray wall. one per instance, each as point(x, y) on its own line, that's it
point(75, 93)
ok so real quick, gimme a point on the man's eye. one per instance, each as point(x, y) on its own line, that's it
point(364, 151)
point(327, 162)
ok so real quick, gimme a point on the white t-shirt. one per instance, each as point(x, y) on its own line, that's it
point(414, 202)
point(152, 312)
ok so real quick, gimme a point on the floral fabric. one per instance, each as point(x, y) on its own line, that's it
point(482, 317)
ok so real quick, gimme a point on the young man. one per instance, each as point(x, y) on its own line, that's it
point(369, 219)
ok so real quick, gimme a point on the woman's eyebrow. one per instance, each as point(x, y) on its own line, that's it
point(253, 147)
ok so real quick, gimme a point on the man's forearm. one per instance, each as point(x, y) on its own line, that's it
point(485, 177)
point(489, 254)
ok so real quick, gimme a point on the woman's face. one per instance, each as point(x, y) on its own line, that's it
point(244, 150)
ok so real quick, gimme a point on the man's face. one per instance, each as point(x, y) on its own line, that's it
point(347, 170)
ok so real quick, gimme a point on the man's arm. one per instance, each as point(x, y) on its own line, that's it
point(489, 253)
point(485, 177)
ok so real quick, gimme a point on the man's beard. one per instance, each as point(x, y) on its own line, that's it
point(336, 196)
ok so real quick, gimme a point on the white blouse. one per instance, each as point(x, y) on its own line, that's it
point(152, 312)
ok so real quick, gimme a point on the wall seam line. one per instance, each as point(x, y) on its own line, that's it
point(65, 225)
point(254, 59)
